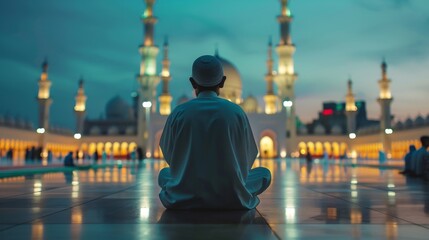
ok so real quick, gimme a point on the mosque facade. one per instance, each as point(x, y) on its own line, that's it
point(127, 127)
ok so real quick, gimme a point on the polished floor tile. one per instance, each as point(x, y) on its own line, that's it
point(140, 231)
point(350, 231)
point(318, 201)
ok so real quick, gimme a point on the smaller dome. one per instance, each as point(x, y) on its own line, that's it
point(117, 108)
point(113, 130)
point(250, 105)
point(95, 131)
point(399, 125)
point(130, 130)
point(336, 129)
point(408, 123)
point(319, 129)
point(233, 87)
point(419, 120)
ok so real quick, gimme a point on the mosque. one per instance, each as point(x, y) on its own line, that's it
point(342, 128)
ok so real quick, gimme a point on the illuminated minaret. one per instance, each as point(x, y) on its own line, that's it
point(80, 107)
point(165, 97)
point(45, 102)
point(385, 100)
point(148, 77)
point(286, 76)
point(269, 98)
point(351, 109)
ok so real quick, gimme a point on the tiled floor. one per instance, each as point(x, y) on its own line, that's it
point(318, 201)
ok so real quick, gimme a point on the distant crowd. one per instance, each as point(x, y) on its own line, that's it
point(417, 160)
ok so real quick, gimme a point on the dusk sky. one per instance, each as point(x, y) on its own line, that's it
point(99, 40)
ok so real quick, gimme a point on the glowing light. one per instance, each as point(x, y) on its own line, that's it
point(354, 154)
point(40, 130)
point(77, 136)
point(37, 188)
point(391, 194)
point(327, 112)
point(148, 154)
point(352, 135)
point(390, 185)
point(354, 181)
point(283, 154)
point(290, 214)
point(147, 104)
point(388, 131)
point(354, 194)
point(144, 213)
point(287, 103)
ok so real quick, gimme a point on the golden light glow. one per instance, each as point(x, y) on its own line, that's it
point(267, 147)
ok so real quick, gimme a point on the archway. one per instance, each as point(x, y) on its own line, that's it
point(267, 147)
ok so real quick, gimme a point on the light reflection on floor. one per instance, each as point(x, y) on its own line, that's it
point(305, 201)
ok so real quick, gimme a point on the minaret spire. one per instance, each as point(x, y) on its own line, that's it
point(269, 98)
point(351, 110)
point(385, 100)
point(80, 108)
point(45, 102)
point(286, 76)
point(165, 97)
point(149, 21)
point(148, 78)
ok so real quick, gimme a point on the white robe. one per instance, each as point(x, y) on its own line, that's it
point(209, 145)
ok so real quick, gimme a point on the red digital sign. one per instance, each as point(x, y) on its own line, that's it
point(327, 112)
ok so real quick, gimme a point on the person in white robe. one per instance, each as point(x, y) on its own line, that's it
point(209, 146)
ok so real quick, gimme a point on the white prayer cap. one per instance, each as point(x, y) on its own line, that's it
point(207, 71)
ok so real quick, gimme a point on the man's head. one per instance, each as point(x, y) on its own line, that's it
point(425, 141)
point(207, 74)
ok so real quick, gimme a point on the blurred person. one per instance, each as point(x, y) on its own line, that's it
point(407, 160)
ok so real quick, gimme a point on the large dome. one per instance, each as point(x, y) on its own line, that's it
point(233, 87)
point(117, 108)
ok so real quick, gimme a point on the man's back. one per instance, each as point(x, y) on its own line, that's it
point(209, 146)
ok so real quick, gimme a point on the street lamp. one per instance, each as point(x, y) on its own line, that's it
point(40, 130)
point(352, 135)
point(77, 136)
point(147, 104)
point(388, 131)
point(287, 103)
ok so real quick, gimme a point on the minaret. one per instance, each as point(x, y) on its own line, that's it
point(165, 97)
point(351, 109)
point(385, 100)
point(286, 76)
point(80, 108)
point(147, 78)
point(45, 102)
point(269, 98)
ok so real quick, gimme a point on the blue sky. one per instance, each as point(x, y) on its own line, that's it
point(99, 40)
